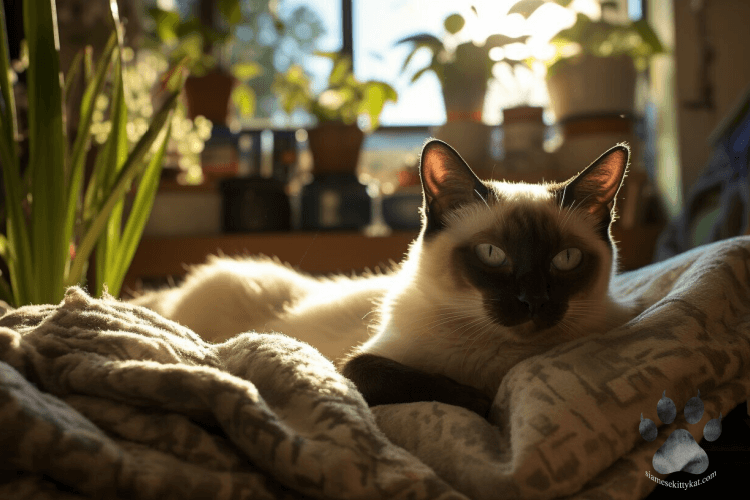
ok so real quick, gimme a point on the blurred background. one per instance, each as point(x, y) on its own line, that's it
point(301, 123)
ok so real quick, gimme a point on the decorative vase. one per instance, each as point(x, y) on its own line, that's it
point(208, 95)
point(335, 147)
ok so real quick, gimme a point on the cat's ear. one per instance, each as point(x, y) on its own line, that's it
point(447, 182)
point(595, 189)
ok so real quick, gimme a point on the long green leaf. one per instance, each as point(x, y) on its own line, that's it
point(116, 154)
point(88, 64)
point(21, 268)
point(75, 68)
point(9, 108)
point(142, 205)
point(129, 171)
point(83, 136)
point(46, 151)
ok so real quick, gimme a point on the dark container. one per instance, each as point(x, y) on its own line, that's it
point(335, 201)
point(254, 204)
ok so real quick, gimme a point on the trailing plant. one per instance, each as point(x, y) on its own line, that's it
point(345, 99)
point(55, 221)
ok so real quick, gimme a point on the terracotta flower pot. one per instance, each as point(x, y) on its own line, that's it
point(335, 147)
point(591, 86)
point(208, 96)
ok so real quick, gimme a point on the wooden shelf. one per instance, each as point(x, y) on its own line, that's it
point(322, 252)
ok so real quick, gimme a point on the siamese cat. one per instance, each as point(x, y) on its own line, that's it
point(499, 272)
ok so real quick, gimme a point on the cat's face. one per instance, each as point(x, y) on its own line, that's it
point(523, 257)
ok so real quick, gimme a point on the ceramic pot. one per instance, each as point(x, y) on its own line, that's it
point(208, 96)
point(590, 86)
point(465, 84)
point(335, 147)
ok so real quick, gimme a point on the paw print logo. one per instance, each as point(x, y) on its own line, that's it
point(680, 452)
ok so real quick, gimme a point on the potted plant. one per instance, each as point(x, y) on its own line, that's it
point(464, 69)
point(337, 138)
point(594, 68)
point(335, 199)
point(213, 81)
point(55, 221)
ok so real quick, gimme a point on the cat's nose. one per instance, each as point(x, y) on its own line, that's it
point(535, 302)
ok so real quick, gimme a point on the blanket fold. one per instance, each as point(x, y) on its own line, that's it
point(100, 398)
point(113, 401)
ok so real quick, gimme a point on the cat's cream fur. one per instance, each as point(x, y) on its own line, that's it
point(227, 296)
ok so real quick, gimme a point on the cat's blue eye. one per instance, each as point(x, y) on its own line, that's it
point(567, 259)
point(490, 254)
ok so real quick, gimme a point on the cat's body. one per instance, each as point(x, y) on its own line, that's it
point(227, 296)
point(500, 272)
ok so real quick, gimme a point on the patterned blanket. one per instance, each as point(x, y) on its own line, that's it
point(105, 399)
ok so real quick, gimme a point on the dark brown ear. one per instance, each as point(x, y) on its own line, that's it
point(447, 182)
point(595, 189)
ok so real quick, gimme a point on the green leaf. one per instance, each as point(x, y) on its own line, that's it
point(341, 69)
point(17, 252)
point(421, 72)
point(649, 36)
point(423, 40)
point(526, 7)
point(231, 11)
point(82, 143)
point(139, 215)
point(46, 152)
point(246, 70)
point(117, 152)
point(454, 23)
point(9, 110)
point(75, 68)
point(166, 24)
point(88, 64)
point(244, 98)
point(498, 40)
point(329, 55)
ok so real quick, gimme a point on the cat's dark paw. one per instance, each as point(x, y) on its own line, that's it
point(465, 396)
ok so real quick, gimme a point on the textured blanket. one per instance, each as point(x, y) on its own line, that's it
point(105, 399)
